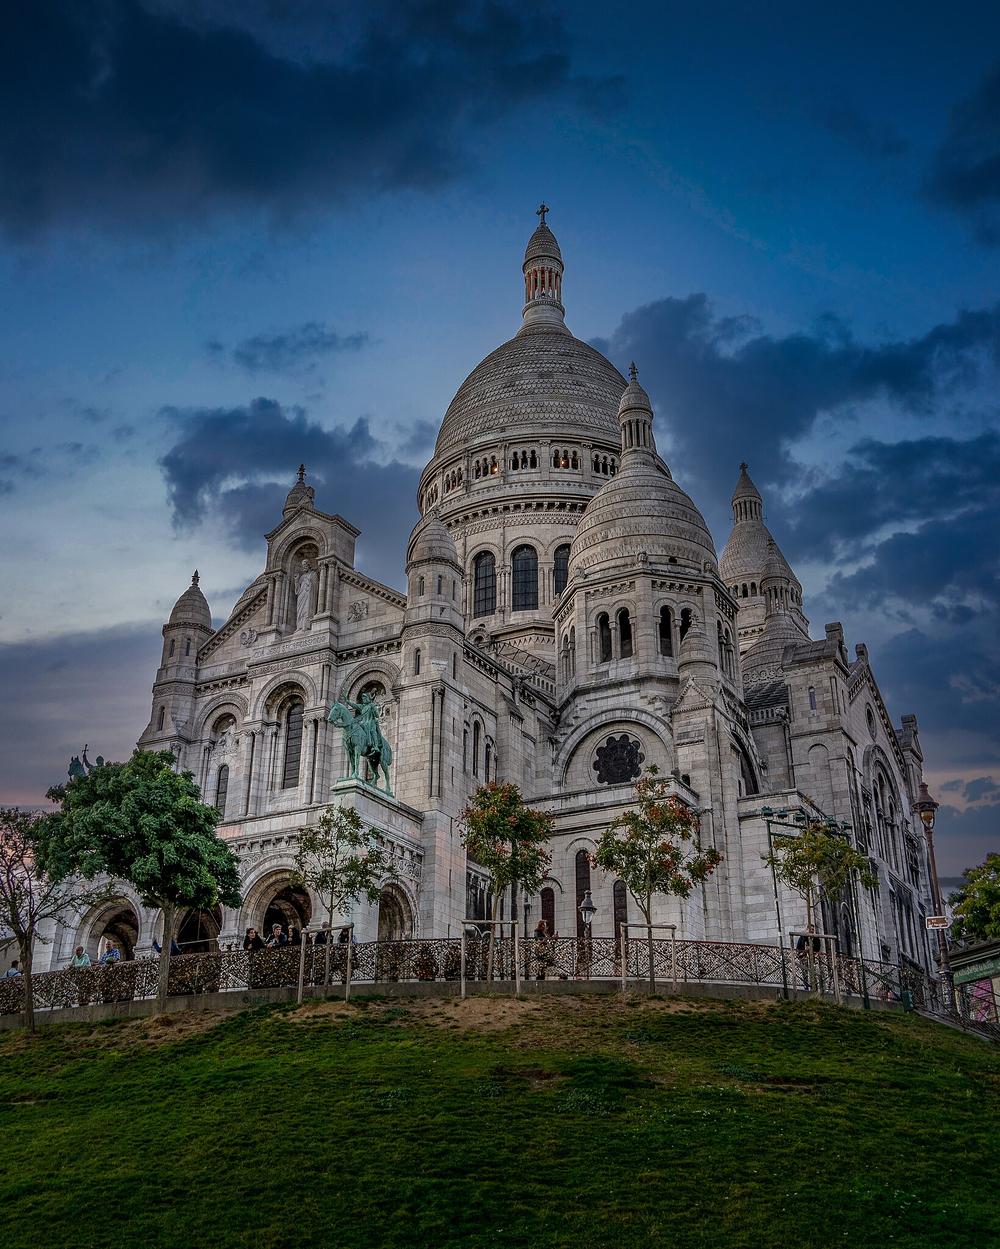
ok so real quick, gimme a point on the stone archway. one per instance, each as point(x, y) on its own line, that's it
point(198, 931)
point(286, 905)
point(395, 915)
point(118, 922)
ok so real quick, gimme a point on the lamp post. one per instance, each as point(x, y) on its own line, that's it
point(927, 809)
point(587, 913)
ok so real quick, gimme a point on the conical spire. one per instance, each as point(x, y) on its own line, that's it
point(543, 276)
point(747, 502)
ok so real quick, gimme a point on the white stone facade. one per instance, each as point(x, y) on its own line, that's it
point(566, 620)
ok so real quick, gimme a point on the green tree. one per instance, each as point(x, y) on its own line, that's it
point(508, 838)
point(656, 849)
point(817, 863)
point(143, 822)
point(29, 896)
point(340, 860)
point(976, 903)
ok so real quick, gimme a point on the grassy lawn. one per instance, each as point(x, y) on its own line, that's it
point(551, 1122)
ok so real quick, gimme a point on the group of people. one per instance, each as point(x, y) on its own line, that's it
point(279, 938)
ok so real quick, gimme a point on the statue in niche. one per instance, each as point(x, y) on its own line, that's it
point(303, 586)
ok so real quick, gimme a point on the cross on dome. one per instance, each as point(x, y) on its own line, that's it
point(633, 372)
point(302, 472)
point(541, 210)
point(194, 578)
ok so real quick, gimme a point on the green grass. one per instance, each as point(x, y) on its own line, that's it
point(583, 1122)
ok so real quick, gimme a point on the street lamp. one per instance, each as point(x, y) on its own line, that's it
point(587, 913)
point(927, 809)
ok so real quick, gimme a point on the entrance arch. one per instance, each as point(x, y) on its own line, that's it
point(198, 931)
point(395, 915)
point(116, 921)
point(288, 905)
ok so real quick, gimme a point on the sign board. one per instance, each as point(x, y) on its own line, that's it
point(936, 921)
point(981, 969)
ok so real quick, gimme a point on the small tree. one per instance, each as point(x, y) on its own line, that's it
point(340, 860)
point(507, 838)
point(655, 849)
point(145, 823)
point(29, 897)
point(976, 903)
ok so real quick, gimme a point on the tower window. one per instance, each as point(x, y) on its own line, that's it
point(173, 647)
point(561, 567)
point(416, 662)
point(666, 632)
point(477, 738)
point(603, 638)
point(293, 744)
point(624, 634)
point(484, 575)
point(159, 719)
point(420, 586)
point(812, 698)
point(524, 567)
point(222, 791)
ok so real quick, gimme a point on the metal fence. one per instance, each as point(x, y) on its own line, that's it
point(676, 963)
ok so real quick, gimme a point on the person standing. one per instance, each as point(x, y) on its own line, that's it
point(80, 958)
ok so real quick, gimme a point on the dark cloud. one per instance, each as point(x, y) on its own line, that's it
point(720, 385)
point(116, 114)
point(965, 174)
point(234, 466)
point(85, 687)
point(844, 121)
point(963, 838)
point(294, 350)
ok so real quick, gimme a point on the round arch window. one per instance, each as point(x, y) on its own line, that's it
point(618, 760)
point(870, 717)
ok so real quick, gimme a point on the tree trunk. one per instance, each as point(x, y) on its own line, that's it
point(24, 947)
point(493, 937)
point(326, 950)
point(169, 911)
point(647, 916)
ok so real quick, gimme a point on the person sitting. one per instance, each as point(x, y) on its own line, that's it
point(13, 970)
point(277, 939)
point(294, 935)
point(253, 941)
point(111, 955)
point(80, 958)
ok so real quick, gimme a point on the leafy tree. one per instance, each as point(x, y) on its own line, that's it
point(655, 849)
point(817, 862)
point(976, 904)
point(508, 838)
point(341, 862)
point(29, 896)
point(145, 823)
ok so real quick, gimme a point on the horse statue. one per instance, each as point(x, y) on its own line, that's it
point(362, 737)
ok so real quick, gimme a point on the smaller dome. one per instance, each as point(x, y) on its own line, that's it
point(431, 540)
point(775, 565)
point(251, 592)
point(192, 607)
point(300, 494)
point(634, 397)
point(542, 245)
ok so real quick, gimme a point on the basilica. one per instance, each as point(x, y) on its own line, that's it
point(567, 622)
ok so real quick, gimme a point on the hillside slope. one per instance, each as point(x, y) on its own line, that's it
point(551, 1122)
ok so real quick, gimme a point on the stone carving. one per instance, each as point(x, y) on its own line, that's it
point(228, 742)
point(248, 636)
point(303, 587)
point(358, 610)
point(619, 760)
point(362, 736)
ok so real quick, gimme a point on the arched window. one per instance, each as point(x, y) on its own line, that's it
point(560, 565)
point(420, 586)
point(582, 885)
point(666, 632)
point(416, 662)
point(484, 579)
point(572, 651)
point(619, 895)
point(685, 622)
point(159, 719)
point(548, 901)
point(477, 739)
point(454, 667)
point(173, 646)
point(293, 744)
point(222, 791)
point(524, 570)
point(465, 750)
point(603, 638)
point(440, 585)
point(624, 634)
point(187, 646)
point(487, 760)
point(812, 698)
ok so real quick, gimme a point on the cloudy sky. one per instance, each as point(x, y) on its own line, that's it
point(235, 237)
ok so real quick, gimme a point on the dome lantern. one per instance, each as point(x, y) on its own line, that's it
point(543, 276)
point(635, 416)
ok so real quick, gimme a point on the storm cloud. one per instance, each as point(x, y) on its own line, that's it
point(294, 350)
point(965, 175)
point(117, 114)
point(234, 466)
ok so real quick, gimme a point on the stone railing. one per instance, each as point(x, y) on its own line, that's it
point(676, 963)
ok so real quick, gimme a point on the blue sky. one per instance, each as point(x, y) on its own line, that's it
point(226, 248)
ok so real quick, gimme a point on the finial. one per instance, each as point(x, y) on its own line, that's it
point(194, 578)
point(541, 210)
point(633, 372)
point(743, 466)
point(302, 472)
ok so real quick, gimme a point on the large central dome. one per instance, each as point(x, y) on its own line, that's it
point(543, 382)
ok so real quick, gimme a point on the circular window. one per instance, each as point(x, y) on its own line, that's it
point(618, 760)
point(870, 717)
